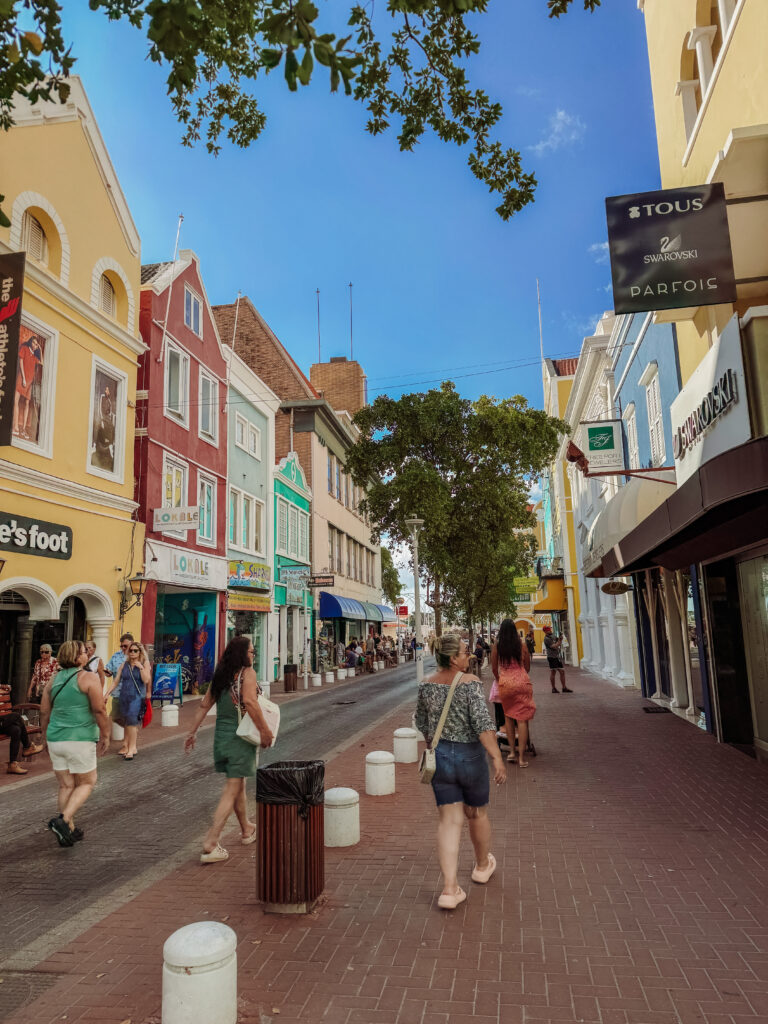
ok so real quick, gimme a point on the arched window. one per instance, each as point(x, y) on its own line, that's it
point(33, 239)
point(107, 297)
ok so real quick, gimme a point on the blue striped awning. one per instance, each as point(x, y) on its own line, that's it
point(372, 613)
point(333, 606)
point(387, 614)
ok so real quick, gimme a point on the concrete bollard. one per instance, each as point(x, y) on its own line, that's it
point(341, 673)
point(200, 975)
point(379, 773)
point(406, 745)
point(317, 679)
point(266, 688)
point(118, 732)
point(329, 677)
point(169, 716)
point(342, 817)
point(401, 659)
point(422, 737)
point(382, 665)
point(375, 666)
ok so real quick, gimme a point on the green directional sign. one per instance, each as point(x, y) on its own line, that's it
point(526, 584)
point(600, 439)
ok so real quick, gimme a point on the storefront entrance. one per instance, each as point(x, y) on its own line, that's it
point(753, 586)
point(185, 634)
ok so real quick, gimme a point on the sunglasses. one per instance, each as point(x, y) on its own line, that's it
point(135, 650)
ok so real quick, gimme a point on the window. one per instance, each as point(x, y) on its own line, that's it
point(176, 383)
point(34, 388)
point(350, 544)
point(338, 479)
point(107, 427)
point(331, 547)
point(650, 381)
point(282, 526)
point(241, 431)
point(206, 499)
point(192, 311)
point(246, 521)
point(630, 425)
point(107, 298)
point(174, 484)
point(346, 489)
point(293, 531)
point(33, 239)
point(304, 536)
point(254, 441)
point(330, 473)
point(209, 401)
point(339, 568)
point(353, 574)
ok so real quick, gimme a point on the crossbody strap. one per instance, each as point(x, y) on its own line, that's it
point(446, 708)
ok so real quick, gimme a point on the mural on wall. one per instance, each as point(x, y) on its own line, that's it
point(185, 634)
point(27, 411)
point(105, 389)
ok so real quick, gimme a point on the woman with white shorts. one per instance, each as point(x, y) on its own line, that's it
point(76, 727)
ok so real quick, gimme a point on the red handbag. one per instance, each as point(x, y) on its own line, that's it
point(147, 715)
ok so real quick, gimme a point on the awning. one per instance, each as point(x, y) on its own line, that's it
point(720, 509)
point(626, 510)
point(554, 597)
point(333, 606)
point(387, 614)
point(372, 613)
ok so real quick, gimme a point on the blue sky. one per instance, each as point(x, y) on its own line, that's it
point(442, 287)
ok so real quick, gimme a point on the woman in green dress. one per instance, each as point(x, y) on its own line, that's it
point(235, 691)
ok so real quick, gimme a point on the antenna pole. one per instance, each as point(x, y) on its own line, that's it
point(170, 287)
point(319, 353)
point(351, 348)
point(541, 335)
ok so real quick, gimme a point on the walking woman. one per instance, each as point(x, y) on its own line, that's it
point(134, 680)
point(510, 662)
point(76, 727)
point(460, 784)
point(235, 691)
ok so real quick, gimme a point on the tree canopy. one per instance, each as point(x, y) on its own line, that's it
point(464, 468)
point(404, 61)
point(390, 581)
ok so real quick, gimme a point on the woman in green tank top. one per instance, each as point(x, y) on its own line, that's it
point(234, 690)
point(76, 727)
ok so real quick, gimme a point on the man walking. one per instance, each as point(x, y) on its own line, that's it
point(552, 647)
point(112, 669)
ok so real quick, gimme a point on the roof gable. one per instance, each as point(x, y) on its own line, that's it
point(290, 471)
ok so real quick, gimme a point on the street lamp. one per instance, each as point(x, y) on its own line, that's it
point(414, 525)
point(137, 586)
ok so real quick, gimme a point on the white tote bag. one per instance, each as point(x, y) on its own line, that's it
point(246, 728)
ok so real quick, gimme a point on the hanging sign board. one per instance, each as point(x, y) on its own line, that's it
point(402, 611)
point(602, 443)
point(243, 601)
point(11, 380)
point(249, 575)
point(326, 580)
point(670, 249)
point(525, 584)
point(182, 518)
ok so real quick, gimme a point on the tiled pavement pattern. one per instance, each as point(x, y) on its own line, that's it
point(632, 889)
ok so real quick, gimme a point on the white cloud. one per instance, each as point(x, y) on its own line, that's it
point(529, 91)
point(564, 130)
point(599, 252)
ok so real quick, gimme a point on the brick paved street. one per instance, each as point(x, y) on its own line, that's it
point(631, 889)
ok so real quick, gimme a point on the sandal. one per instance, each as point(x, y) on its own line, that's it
point(511, 759)
point(215, 855)
point(247, 840)
point(451, 900)
point(483, 876)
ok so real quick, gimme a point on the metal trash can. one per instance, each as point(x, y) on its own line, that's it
point(290, 852)
point(290, 678)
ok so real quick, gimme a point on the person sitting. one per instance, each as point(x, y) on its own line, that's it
point(351, 658)
point(13, 725)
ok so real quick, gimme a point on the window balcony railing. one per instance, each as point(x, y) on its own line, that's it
point(549, 566)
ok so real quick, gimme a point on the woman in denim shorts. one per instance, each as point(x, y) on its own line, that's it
point(461, 783)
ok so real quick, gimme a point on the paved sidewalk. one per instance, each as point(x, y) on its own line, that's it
point(632, 889)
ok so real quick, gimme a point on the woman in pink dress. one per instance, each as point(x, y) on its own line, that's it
point(510, 662)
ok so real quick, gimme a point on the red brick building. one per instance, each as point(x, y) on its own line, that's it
point(181, 464)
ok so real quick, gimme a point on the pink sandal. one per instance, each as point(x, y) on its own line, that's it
point(451, 900)
point(483, 876)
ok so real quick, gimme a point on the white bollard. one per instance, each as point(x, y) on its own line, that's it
point(422, 737)
point(382, 665)
point(375, 666)
point(379, 773)
point(118, 732)
point(401, 659)
point(342, 817)
point(341, 673)
point(329, 677)
point(266, 688)
point(406, 745)
point(317, 679)
point(200, 975)
point(169, 716)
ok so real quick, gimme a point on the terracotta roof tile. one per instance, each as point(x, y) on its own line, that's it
point(565, 367)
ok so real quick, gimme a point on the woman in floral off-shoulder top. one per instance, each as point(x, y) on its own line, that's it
point(460, 783)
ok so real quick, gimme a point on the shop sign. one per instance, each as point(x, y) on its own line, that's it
point(183, 518)
point(321, 581)
point(11, 285)
point(250, 575)
point(238, 601)
point(402, 611)
point(296, 576)
point(34, 537)
point(187, 568)
point(711, 415)
point(670, 249)
point(603, 445)
point(167, 682)
point(525, 584)
point(542, 620)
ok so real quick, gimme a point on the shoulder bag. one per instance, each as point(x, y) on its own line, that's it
point(428, 764)
point(246, 728)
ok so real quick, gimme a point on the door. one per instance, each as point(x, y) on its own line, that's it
point(753, 585)
point(726, 652)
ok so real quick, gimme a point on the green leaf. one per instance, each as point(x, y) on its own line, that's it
point(305, 70)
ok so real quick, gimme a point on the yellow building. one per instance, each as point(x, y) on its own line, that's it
point(68, 534)
point(557, 567)
point(525, 603)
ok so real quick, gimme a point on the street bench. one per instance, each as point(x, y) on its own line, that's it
point(31, 715)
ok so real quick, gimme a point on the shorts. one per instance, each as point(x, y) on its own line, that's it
point(462, 774)
point(554, 663)
point(75, 756)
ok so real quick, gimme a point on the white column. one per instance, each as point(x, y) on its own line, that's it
point(700, 40)
point(725, 9)
point(676, 655)
point(605, 668)
point(626, 675)
point(687, 93)
point(101, 634)
point(586, 641)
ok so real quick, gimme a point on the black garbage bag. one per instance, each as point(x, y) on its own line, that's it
point(301, 783)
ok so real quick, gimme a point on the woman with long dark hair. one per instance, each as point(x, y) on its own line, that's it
point(511, 662)
point(234, 691)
